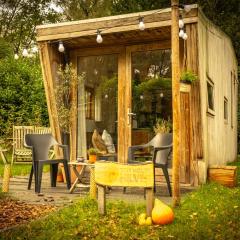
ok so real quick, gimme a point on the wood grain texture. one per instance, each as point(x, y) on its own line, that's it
point(49, 58)
point(175, 101)
point(101, 199)
point(225, 175)
point(149, 201)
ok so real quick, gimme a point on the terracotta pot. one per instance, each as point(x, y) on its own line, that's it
point(60, 177)
point(92, 158)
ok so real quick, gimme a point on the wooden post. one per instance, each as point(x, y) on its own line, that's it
point(175, 100)
point(149, 201)
point(101, 199)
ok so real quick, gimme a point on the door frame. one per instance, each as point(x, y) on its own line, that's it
point(128, 93)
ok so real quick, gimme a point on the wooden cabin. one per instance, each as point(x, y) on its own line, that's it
point(126, 84)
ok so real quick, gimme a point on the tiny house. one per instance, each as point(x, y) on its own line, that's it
point(126, 84)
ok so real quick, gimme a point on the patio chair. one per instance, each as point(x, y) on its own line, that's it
point(162, 149)
point(40, 145)
point(20, 154)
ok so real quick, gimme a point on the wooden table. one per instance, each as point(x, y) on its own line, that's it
point(79, 174)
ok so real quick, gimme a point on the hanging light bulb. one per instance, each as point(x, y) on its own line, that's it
point(185, 36)
point(187, 8)
point(161, 95)
point(61, 47)
point(99, 37)
point(141, 97)
point(35, 49)
point(141, 24)
point(181, 33)
point(106, 96)
point(25, 52)
point(16, 57)
point(181, 23)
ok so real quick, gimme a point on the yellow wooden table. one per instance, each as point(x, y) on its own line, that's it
point(79, 174)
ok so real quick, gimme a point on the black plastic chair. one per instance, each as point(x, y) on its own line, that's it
point(40, 145)
point(162, 149)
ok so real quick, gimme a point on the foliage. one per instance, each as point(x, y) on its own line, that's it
point(65, 77)
point(5, 49)
point(162, 126)
point(18, 20)
point(76, 10)
point(108, 86)
point(92, 151)
point(188, 76)
point(22, 100)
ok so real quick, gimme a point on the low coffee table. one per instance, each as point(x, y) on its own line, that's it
point(79, 174)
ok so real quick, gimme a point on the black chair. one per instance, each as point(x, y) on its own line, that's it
point(40, 145)
point(162, 149)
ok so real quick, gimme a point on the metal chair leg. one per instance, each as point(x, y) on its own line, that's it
point(30, 179)
point(165, 172)
point(40, 170)
point(67, 173)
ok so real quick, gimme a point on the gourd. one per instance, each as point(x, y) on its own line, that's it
point(144, 220)
point(161, 213)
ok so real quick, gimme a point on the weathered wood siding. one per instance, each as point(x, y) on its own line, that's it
point(217, 62)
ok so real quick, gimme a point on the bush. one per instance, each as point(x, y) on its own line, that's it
point(22, 98)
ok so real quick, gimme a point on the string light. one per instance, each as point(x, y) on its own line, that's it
point(25, 52)
point(181, 33)
point(61, 47)
point(141, 24)
point(180, 22)
point(185, 36)
point(16, 57)
point(99, 38)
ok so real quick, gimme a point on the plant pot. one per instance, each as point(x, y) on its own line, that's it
point(92, 158)
point(185, 82)
point(59, 177)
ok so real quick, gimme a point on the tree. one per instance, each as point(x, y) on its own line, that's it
point(22, 99)
point(18, 20)
point(82, 9)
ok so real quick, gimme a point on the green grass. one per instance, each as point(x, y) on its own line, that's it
point(19, 169)
point(210, 212)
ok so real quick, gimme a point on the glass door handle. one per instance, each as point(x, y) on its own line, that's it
point(130, 115)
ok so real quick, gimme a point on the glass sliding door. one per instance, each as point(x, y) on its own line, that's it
point(151, 92)
point(97, 99)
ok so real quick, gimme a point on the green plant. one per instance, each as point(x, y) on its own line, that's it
point(162, 126)
point(92, 151)
point(188, 76)
point(65, 78)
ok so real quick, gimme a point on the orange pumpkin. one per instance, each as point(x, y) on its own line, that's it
point(161, 213)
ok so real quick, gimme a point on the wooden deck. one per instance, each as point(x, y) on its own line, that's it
point(60, 195)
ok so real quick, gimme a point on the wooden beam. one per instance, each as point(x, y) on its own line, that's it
point(101, 199)
point(149, 201)
point(175, 101)
point(67, 34)
point(46, 59)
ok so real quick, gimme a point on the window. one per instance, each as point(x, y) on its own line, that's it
point(89, 100)
point(210, 96)
point(225, 109)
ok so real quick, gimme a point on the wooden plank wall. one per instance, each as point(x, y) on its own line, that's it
point(196, 140)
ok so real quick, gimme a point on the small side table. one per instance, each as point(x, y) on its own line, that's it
point(79, 174)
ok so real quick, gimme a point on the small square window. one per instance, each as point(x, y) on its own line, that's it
point(225, 109)
point(210, 96)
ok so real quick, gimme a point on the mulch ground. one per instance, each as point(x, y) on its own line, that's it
point(13, 212)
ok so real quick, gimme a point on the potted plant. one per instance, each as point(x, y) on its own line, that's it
point(188, 77)
point(162, 126)
point(92, 154)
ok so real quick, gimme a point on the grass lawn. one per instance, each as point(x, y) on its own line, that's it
point(19, 169)
point(211, 212)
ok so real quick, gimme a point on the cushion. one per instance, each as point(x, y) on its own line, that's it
point(98, 143)
point(108, 142)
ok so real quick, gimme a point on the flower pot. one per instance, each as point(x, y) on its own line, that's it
point(92, 158)
point(60, 177)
